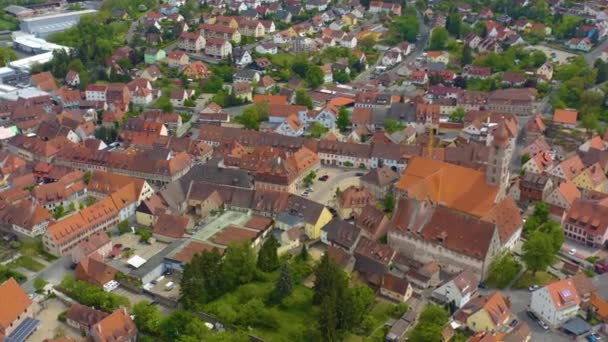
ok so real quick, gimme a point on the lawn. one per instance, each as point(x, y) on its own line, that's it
point(282, 59)
point(33, 247)
point(293, 318)
point(540, 279)
point(28, 263)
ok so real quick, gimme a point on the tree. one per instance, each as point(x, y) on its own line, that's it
point(303, 99)
point(524, 158)
point(430, 324)
point(147, 317)
point(59, 212)
point(538, 252)
point(457, 115)
point(453, 24)
point(315, 76)
point(202, 279)
point(316, 129)
point(7, 55)
point(268, 259)
point(238, 266)
point(503, 269)
point(439, 38)
point(602, 71)
point(87, 177)
point(392, 125)
point(183, 326)
point(405, 27)
point(303, 253)
point(284, 285)
point(328, 320)
point(123, 227)
point(249, 118)
point(389, 202)
point(343, 120)
point(300, 65)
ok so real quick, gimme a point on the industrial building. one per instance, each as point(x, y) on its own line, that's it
point(45, 25)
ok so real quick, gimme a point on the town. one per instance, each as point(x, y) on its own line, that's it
point(286, 170)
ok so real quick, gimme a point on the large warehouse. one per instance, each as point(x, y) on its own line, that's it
point(45, 25)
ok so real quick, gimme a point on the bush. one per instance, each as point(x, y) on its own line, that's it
point(39, 284)
point(62, 317)
point(90, 295)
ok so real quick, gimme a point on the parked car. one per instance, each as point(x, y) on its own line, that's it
point(532, 315)
point(533, 288)
point(513, 323)
point(572, 251)
point(593, 337)
point(359, 174)
point(324, 178)
point(543, 325)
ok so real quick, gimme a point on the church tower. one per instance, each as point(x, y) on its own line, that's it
point(499, 159)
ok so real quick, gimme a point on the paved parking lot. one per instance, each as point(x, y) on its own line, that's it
point(144, 250)
point(323, 192)
point(161, 290)
point(560, 55)
point(50, 326)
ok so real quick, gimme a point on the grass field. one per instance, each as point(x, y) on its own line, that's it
point(28, 263)
point(379, 315)
point(282, 59)
point(540, 279)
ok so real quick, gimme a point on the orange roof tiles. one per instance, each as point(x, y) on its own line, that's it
point(271, 99)
point(563, 294)
point(232, 234)
point(447, 184)
point(116, 327)
point(14, 302)
point(565, 116)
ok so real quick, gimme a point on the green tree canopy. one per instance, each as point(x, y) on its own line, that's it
point(439, 38)
point(268, 259)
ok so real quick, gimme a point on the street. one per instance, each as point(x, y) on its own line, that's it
point(53, 273)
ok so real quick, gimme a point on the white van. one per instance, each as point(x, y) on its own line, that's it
point(169, 286)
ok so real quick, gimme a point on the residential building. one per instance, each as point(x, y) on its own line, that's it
point(485, 313)
point(379, 181)
point(218, 48)
point(395, 288)
point(118, 326)
point(220, 31)
point(556, 302)
point(352, 200)
point(17, 312)
point(458, 290)
point(83, 318)
point(586, 222)
point(191, 42)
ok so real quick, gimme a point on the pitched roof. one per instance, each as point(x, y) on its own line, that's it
point(172, 226)
point(454, 186)
point(395, 284)
point(380, 176)
point(85, 315)
point(563, 294)
point(565, 116)
point(93, 270)
point(14, 302)
point(116, 327)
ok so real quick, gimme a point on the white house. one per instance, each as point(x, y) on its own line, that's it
point(267, 47)
point(556, 303)
point(96, 92)
point(292, 126)
point(327, 117)
point(459, 289)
